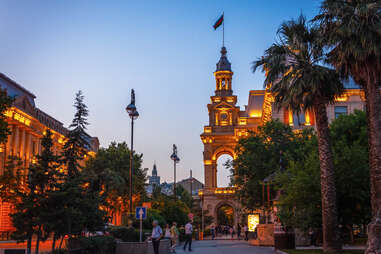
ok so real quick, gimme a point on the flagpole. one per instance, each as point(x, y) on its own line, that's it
point(223, 29)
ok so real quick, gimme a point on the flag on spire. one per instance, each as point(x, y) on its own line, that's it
point(219, 22)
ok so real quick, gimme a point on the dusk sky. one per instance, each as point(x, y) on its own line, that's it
point(166, 50)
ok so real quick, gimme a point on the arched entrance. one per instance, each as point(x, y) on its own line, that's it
point(225, 215)
point(223, 172)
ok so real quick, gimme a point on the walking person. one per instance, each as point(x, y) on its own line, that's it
point(188, 236)
point(231, 231)
point(167, 234)
point(239, 231)
point(212, 231)
point(157, 234)
point(246, 230)
point(174, 235)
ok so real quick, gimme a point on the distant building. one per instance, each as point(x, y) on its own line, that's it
point(153, 180)
point(192, 185)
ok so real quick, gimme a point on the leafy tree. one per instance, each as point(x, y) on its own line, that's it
point(298, 81)
point(108, 174)
point(351, 31)
point(259, 156)
point(5, 103)
point(299, 201)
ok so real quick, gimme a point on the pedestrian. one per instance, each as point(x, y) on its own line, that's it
point(239, 231)
point(212, 231)
point(167, 234)
point(188, 236)
point(231, 231)
point(312, 236)
point(246, 230)
point(174, 235)
point(157, 234)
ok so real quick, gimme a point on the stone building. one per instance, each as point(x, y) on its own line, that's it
point(27, 124)
point(153, 180)
point(192, 185)
point(228, 123)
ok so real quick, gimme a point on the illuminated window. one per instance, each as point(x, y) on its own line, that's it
point(340, 110)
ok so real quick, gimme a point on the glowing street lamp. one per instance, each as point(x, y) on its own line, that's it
point(176, 160)
point(133, 113)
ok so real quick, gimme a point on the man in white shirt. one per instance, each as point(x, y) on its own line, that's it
point(188, 235)
point(157, 233)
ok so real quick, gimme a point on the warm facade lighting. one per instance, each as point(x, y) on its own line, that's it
point(207, 129)
point(341, 98)
point(252, 221)
point(307, 117)
point(207, 162)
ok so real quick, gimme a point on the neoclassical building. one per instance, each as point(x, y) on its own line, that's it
point(228, 123)
point(27, 124)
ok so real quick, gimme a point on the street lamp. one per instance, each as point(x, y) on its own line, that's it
point(176, 160)
point(133, 113)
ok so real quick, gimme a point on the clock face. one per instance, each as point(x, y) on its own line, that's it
point(224, 116)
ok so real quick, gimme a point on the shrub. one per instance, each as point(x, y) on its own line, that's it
point(93, 244)
point(125, 234)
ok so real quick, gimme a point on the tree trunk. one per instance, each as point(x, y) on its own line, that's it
point(61, 242)
point(54, 242)
point(29, 245)
point(38, 239)
point(373, 106)
point(331, 236)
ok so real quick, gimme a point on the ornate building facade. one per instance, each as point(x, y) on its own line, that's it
point(27, 124)
point(227, 124)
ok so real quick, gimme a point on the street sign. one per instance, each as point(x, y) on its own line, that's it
point(141, 213)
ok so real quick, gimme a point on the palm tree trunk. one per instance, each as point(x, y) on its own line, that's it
point(373, 107)
point(331, 237)
point(29, 245)
point(54, 242)
point(38, 240)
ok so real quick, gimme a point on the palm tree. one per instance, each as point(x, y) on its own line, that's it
point(352, 34)
point(298, 81)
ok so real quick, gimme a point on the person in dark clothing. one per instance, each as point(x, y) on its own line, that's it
point(239, 231)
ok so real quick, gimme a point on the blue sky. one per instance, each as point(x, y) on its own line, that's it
point(165, 50)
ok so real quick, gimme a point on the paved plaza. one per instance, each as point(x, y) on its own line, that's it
point(225, 247)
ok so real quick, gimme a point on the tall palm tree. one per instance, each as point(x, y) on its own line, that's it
point(352, 33)
point(299, 82)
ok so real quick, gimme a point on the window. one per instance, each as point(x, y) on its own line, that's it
point(340, 110)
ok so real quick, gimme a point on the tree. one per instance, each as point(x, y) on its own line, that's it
point(76, 145)
point(5, 103)
point(299, 201)
point(108, 174)
point(351, 31)
point(79, 206)
point(259, 156)
point(300, 83)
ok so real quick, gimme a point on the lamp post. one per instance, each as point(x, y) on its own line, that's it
point(176, 160)
point(133, 113)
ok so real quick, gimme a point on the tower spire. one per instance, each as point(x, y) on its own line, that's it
point(223, 64)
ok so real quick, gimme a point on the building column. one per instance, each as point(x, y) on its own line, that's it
point(16, 144)
point(22, 143)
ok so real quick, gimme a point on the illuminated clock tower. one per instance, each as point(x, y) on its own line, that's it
point(220, 137)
